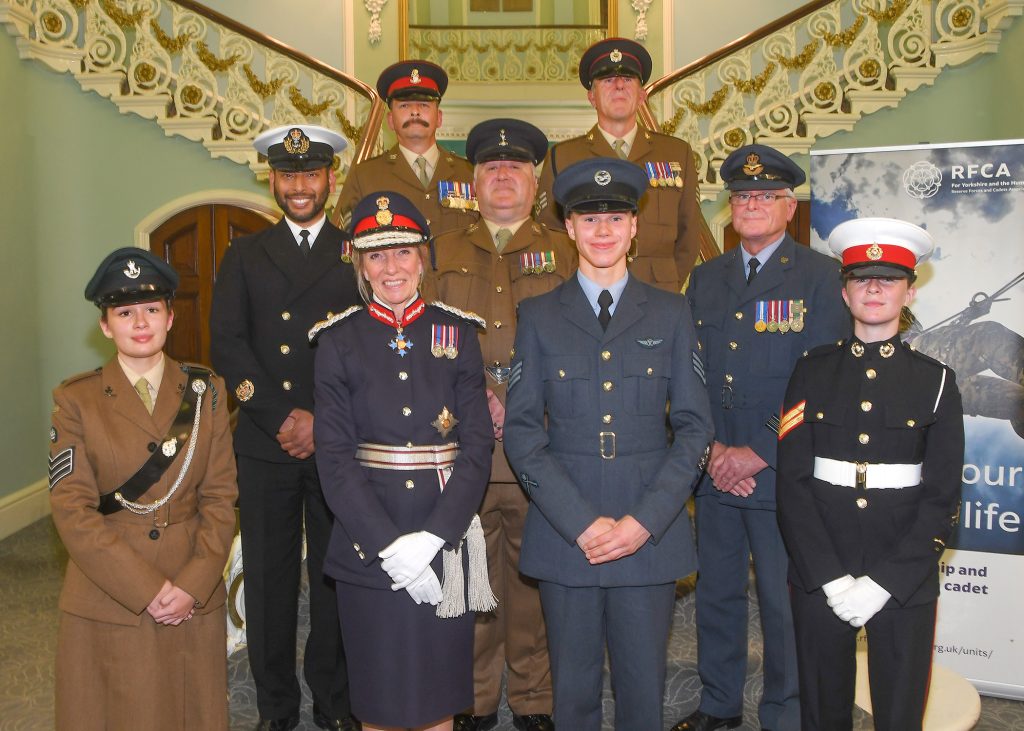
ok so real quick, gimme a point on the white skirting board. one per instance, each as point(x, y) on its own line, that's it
point(24, 507)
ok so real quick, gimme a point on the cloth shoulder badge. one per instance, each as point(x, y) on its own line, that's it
point(791, 419)
point(61, 465)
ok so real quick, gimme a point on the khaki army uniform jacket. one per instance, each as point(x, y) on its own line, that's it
point(670, 224)
point(390, 171)
point(470, 274)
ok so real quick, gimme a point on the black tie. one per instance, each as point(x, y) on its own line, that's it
point(605, 315)
point(304, 244)
point(753, 264)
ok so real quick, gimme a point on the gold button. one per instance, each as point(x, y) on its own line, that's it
point(863, 439)
point(406, 411)
point(464, 270)
point(500, 257)
point(820, 415)
point(287, 385)
point(606, 355)
point(728, 378)
point(497, 324)
point(409, 484)
point(285, 350)
point(329, 314)
point(865, 406)
point(402, 376)
point(498, 289)
point(607, 385)
point(607, 418)
point(286, 315)
point(362, 555)
point(911, 422)
point(733, 345)
point(739, 315)
point(409, 445)
point(356, 546)
point(650, 371)
point(870, 373)
point(862, 502)
point(561, 373)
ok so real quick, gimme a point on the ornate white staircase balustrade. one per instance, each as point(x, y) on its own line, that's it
point(819, 74)
point(195, 72)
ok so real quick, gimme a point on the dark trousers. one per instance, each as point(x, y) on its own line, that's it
point(727, 537)
point(275, 501)
point(899, 664)
point(634, 621)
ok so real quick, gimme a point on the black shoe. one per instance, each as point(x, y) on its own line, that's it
point(323, 720)
point(278, 724)
point(533, 722)
point(465, 722)
point(700, 721)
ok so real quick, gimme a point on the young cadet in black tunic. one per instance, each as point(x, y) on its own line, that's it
point(404, 442)
point(871, 446)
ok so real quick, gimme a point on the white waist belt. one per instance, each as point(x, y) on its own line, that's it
point(417, 457)
point(867, 475)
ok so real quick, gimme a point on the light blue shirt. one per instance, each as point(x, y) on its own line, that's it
point(592, 291)
point(762, 256)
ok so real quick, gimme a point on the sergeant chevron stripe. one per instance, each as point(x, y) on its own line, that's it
point(791, 419)
point(61, 465)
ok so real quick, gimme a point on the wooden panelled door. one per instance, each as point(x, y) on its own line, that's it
point(193, 242)
point(799, 228)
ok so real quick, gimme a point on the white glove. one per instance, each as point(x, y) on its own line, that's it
point(860, 602)
point(408, 555)
point(425, 588)
point(836, 586)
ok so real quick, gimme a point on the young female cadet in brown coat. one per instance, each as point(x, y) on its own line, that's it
point(142, 487)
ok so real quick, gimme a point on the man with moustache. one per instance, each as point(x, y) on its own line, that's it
point(757, 309)
point(435, 180)
point(488, 269)
point(271, 288)
point(671, 226)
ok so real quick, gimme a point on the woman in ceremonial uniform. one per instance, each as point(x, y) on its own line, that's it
point(871, 445)
point(404, 441)
point(142, 488)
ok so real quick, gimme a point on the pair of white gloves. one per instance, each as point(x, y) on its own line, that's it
point(407, 561)
point(855, 600)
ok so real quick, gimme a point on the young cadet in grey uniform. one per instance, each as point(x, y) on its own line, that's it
point(757, 309)
point(597, 361)
point(871, 447)
point(271, 288)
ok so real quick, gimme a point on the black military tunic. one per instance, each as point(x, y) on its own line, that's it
point(859, 421)
point(418, 386)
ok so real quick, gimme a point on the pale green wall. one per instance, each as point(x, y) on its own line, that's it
point(79, 178)
point(702, 26)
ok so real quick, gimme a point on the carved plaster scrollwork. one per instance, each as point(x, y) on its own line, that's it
point(195, 93)
point(374, 8)
point(241, 114)
point(640, 7)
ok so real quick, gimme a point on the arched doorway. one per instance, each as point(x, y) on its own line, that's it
point(193, 241)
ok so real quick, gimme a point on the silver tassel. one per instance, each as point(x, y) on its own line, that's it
point(453, 599)
point(481, 598)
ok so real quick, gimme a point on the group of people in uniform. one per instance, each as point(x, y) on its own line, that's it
point(482, 408)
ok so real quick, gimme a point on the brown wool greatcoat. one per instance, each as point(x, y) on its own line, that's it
point(670, 223)
point(116, 667)
point(390, 171)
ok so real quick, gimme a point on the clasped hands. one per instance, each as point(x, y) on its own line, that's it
point(855, 600)
point(296, 434)
point(607, 539)
point(732, 469)
point(407, 561)
point(172, 605)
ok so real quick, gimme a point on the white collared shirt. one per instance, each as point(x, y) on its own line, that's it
point(314, 229)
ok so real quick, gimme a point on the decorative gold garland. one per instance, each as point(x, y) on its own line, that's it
point(171, 45)
point(79, 4)
point(890, 13)
point(845, 38)
point(304, 105)
point(755, 85)
point(802, 59)
point(351, 131)
point(423, 46)
point(264, 90)
point(212, 62)
point(123, 19)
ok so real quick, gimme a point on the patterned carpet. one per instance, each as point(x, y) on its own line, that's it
point(31, 566)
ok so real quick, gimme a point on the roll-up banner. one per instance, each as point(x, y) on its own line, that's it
point(969, 314)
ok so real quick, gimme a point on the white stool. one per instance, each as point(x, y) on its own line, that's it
point(953, 703)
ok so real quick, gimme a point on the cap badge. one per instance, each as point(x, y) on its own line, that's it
point(874, 252)
point(414, 76)
point(296, 142)
point(615, 55)
point(384, 216)
point(132, 271)
point(245, 390)
point(503, 142)
point(602, 177)
point(753, 165)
